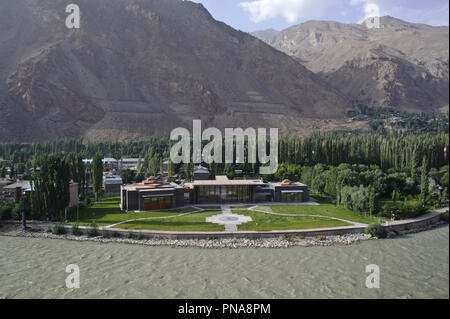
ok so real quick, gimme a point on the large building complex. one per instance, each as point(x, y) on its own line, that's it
point(153, 194)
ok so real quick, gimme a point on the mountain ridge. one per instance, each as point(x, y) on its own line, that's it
point(137, 68)
point(401, 64)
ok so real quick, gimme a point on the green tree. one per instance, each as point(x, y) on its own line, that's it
point(372, 200)
point(2, 171)
point(127, 176)
point(97, 175)
point(424, 183)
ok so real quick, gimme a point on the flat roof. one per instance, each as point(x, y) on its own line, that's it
point(151, 187)
point(113, 181)
point(26, 185)
point(223, 181)
point(129, 160)
point(292, 191)
point(288, 185)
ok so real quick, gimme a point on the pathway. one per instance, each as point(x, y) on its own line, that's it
point(197, 210)
point(229, 220)
point(269, 211)
point(226, 210)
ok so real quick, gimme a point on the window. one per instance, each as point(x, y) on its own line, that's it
point(292, 197)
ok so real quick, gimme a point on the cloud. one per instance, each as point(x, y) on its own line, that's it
point(290, 10)
point(357, 10)
point(370, 8)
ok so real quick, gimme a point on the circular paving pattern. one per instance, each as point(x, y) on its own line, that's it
point(228, 219)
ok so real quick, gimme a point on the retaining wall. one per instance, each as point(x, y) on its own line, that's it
point(397, 226)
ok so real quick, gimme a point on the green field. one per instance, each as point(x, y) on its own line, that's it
point(329, 210)
point(193, 222)
point(266, 222)
point(107, 212)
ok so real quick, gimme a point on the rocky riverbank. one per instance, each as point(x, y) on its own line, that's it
point(281, 242)
point(41, 231)
point(394, 233)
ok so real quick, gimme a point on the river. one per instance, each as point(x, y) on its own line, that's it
point(412, 266)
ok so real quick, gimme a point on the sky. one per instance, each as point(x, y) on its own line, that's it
point(253, 15)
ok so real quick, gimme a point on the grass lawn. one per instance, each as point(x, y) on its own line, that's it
point(107, 212)
point(324, 209)
point(266, 222)
point(192, 222)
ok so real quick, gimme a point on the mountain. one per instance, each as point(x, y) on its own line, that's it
point(265, 35)
point(400, 64)
point(137, 68)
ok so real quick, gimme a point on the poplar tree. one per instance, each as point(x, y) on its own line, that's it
point(97, 174)
point(372, 200)
point(424, 184)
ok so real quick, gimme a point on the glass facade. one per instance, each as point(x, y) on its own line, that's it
point(224, 194)
point(292, 197)
point(160, 202)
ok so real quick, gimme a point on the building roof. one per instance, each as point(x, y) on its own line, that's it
point(25, 185)
point(223, 181)
point(113, 181)
point(129, 160)
point(151, 184)
point(6, 181)
point(109, 160)
point(287, 183)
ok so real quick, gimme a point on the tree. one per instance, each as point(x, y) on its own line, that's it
point(12, 172)
point(127, 176)
point(97, 174)
point(372, 200)
point(395, 195)
point(50, 193)
point(2, 171)
point(25, 208)
point(424, 183)
point(170, 169)
point(414, 164)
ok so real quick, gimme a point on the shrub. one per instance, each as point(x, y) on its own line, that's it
point(105, 234)
point(402, 210)
point(92, 231)
point(115, 234)
point(5, 212)
point(76, 230)
point(16, 212)
point(130, 235)
point(140, 236)
point(321, 238)
point(376, 230)
point(59, 229)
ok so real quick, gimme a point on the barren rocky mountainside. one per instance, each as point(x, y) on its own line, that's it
point(137, 68)
point(400, 64)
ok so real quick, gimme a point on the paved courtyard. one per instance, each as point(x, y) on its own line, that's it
point(228, 219)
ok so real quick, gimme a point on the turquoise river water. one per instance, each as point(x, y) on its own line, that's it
point(412, 266)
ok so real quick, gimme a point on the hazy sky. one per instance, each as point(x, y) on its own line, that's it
point(252, 15)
